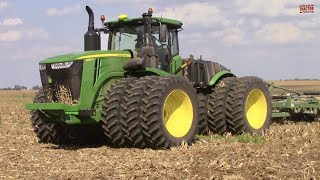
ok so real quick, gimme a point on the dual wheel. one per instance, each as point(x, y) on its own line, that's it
point(235, 105)
point(152, 111)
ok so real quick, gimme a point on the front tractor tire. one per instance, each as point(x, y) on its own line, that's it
point(249, 106)
point(151, 111)
point(114, 117)
point(47, 132)
point(171, 112)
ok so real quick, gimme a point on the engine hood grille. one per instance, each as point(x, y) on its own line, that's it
point(62, 85)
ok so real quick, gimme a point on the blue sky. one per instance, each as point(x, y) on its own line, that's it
point(269, 39)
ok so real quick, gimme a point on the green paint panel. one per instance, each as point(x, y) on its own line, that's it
point(294, 104)
point(219, 75)
point(175, 64)
point(280, 114)
point(52, 106)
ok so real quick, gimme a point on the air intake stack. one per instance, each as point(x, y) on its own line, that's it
point(91, 37)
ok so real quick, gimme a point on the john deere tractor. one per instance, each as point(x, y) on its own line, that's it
point(141, 92)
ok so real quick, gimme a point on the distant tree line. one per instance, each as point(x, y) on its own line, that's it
point(20, 87)
point(300, 79)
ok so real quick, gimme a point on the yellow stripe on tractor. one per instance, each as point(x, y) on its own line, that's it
point(104, 55)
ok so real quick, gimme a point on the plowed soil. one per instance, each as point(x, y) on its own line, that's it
point(287, 151)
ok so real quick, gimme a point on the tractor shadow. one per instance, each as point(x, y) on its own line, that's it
point(74, 146)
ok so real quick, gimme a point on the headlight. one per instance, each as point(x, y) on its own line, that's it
point(42, 67)
point(62, 65)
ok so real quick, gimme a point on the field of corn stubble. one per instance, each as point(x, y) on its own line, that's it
point(287, 150)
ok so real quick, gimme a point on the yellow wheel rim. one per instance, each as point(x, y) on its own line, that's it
point(178, 113)
point(256, 109)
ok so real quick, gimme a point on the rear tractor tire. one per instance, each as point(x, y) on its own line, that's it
point(217, 105)
point(249, 106)
point(47, 132)
point(203, 113)
point(171, 112)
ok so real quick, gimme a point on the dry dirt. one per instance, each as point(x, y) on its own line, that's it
point(288, 151)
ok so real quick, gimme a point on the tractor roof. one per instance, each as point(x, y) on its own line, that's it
point(171, 23)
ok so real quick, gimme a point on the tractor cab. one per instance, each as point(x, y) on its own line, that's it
point(153, 45)
point(146, 37)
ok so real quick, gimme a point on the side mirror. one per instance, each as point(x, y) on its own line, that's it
point(163, 33)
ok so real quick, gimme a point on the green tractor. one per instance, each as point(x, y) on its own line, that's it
point(140, 92)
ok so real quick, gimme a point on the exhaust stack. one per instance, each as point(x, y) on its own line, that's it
point(91, 38)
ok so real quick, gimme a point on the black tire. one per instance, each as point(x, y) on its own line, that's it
point(136, 112)
point(217, 105)
point(202, 110)
point(114, 113)
point(161, 90)
point(47, 132)
point(240, 117)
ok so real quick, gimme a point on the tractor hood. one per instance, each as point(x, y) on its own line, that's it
point(86, 55)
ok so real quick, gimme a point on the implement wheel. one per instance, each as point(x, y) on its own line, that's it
point(171, 111)
point(249, 106)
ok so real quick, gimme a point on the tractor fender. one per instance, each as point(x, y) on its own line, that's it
point(106, 78)
point(220, 75)
point(103, 85)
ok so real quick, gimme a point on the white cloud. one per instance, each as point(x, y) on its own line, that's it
point(196, 13)
point(240, 22)
point(230, 36)
point(191, 38)
point(11, 22)
point(10, 36)
point(255, 23)
point(126, 6)
point(3, 5)
point(35, 33)
point(137, 4)
point(227, 37)
point(307, 23)
point(269, 8)
point(63, 11)
point(280, 33)
point(25, 34)
point(124, 1)
point(37, 52)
